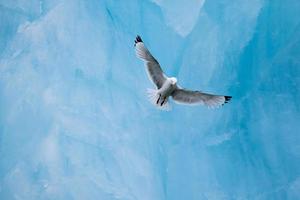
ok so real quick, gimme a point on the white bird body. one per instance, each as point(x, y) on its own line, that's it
point(165, 91)
point(167, 87)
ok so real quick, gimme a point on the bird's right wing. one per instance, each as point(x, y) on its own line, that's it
point(154, 70)
point(189, 97)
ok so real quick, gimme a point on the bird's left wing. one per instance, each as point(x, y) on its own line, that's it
point(189, 97)
point(154, 70)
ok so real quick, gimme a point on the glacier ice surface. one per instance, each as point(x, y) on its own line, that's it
point(75, 122)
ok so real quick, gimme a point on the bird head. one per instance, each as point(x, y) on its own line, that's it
point(173, 80)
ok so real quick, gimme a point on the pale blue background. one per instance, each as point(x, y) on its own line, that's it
point(75, 122)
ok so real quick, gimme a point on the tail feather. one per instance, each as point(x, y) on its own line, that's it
point(153, 97)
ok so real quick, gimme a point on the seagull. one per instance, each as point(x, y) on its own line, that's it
point(167, 87)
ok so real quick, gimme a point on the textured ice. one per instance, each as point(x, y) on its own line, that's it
point(75, 122)
point(180, 15)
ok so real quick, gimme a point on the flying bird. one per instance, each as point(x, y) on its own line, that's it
point(167, 87)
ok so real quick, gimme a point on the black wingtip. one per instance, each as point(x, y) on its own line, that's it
point(137, 39)
point(227, 99)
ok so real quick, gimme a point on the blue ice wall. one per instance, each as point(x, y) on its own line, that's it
point(75, 122)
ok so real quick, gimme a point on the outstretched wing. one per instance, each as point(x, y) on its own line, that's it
point(196, 97)
point(154, 70)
